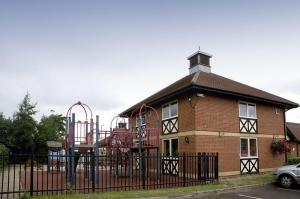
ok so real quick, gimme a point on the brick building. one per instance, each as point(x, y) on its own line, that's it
point(205, 112)
point(293, 137)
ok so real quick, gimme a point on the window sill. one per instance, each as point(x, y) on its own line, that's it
point(253, 157)
point(253, 118)
point(169, 118)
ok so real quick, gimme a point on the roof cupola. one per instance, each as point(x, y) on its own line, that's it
point(199, 61)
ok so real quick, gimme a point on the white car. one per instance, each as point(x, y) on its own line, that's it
point(288, 176)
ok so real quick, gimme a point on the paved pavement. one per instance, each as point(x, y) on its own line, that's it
point(9, 185)
point(261, 192)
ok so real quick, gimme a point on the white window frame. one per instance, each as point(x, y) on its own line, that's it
point(247, 104)
point(169, 104)
point(277, 111)
point(248, 143)
point(170, 145)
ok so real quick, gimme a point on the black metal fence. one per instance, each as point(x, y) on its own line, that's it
point(51, 174)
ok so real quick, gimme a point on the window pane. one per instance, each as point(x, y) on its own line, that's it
point(143, 118)
point(165, 112)
point(244, 147)
point(243, 110)
point(253, 151)
point(137, 120)
point(173, 108)
point(174, 147)
point(251, 110)
point(167, 147)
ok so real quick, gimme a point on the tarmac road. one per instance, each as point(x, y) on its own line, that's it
point(263, 192)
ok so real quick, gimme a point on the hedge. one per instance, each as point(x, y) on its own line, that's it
point(3, 150)
point(293, 160)
point(3, 158)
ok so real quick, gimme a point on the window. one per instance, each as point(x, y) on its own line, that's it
point(174, 147)
point(247, 110)
point(165, 112)
point(170, 147)
point(170, 110)
point(167, 147)
point(248, 147)
point(252, 147)
point(244, 148)
point(143, 119)
point(243, 110)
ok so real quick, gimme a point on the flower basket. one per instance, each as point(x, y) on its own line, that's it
point(280, 146)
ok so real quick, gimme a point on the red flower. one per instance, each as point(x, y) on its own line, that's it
point(280, 146)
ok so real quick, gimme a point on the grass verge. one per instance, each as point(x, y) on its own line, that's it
point(223, 184)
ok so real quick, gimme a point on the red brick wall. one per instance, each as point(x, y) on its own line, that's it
point(213, 113)
point(227, 147)
point(217, 114)
point(266, 158)
point(186, 112)
point(268, 121)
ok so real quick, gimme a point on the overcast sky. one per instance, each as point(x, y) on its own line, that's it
point(113, 54)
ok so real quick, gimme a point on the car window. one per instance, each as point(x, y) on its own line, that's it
point(298, 165)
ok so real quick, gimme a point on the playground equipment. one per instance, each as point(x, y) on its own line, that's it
point(84, 137)
point(79, 140)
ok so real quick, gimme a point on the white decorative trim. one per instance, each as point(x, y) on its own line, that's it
point(200, 67)
point(222, 134)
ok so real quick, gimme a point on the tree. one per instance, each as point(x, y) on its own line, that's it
point(6, 127)
point(24, 126)
point(50, 128)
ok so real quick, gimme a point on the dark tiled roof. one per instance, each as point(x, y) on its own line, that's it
point(215, 83)
point(294, 129)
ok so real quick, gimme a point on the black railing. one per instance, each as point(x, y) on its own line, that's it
point(51, 174)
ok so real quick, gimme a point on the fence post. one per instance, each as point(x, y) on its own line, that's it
point(2, 174)
point(158, 166)
point(206, 158)
point(31, 174)
point(184, 169)
point(93, 170)
point(97, 154)
point(143, 170)
point(199, 165)
point(217, 166)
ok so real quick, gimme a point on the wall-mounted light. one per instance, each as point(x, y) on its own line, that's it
point(200, 95)
point(187, 140)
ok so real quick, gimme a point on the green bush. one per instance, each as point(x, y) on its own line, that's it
point(3, 155)
point(25, 195)
point(293, 160)
point(3, 150)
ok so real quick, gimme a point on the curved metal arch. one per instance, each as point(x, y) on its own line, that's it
point(84, 106)
point(116, 118)
point(144, 106)
point(131, 118)
point(149, 107)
